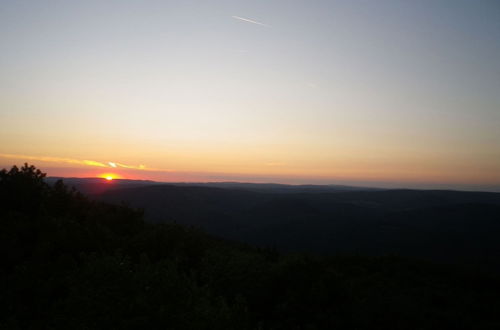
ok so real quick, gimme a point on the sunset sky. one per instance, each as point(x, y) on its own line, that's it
point(386, 93)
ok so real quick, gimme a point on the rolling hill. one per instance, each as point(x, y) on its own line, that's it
point(449, 226)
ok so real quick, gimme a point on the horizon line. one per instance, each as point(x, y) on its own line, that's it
point(446, 187)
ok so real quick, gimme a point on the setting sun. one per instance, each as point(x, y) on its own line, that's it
point(109, 176)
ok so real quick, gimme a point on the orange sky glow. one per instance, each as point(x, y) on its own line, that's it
point(357, 174)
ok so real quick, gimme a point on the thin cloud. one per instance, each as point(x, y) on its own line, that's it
point(250, 21)
point(92, 163)
point(55, 160)
point(140, 167)
point(117, 165)
point(70, 161)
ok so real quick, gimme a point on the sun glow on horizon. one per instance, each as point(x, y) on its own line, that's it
point(110, 176)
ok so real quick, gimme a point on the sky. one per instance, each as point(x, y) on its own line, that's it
point(385, 93)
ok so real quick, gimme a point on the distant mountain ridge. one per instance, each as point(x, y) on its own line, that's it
point(85, 183)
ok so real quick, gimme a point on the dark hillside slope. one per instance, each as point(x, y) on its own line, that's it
point(441, 225)
point(214, 209)
point(72, 263)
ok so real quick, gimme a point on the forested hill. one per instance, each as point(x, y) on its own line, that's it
point(72, 263)
point(445, 226)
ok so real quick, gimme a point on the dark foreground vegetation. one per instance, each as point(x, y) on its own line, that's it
point(72, 263)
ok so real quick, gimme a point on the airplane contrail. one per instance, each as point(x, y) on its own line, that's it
point(250, 21)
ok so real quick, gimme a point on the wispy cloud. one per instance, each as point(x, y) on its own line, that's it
point(54, 160)
point(72, 161)
point(250, 21)
point(139, 167)
point(87, 162)
point(117, 165)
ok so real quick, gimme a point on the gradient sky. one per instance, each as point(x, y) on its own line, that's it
point(388, 93)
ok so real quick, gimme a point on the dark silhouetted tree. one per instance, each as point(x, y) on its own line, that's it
point(22, 189)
